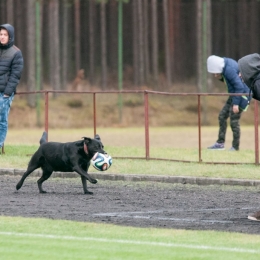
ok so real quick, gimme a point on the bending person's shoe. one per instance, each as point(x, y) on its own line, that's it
point(232, 149)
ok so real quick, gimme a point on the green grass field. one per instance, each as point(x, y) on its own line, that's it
point(22, 238)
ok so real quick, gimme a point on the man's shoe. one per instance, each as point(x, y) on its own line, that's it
point(232, 149)
point(255, 216)
point(217, 146)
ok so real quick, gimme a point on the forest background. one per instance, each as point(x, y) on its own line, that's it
point(159, 45)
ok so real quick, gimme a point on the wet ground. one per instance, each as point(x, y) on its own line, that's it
point(140, 204)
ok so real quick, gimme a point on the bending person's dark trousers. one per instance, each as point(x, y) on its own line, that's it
point(225, 113)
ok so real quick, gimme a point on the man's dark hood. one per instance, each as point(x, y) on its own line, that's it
point(249, 67)
point(10, 30)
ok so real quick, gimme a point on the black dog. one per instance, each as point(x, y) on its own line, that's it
point(64, 157)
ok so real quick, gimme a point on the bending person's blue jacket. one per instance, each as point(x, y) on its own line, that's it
point(234, 83)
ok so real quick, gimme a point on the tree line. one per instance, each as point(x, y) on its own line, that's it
point(164, 42)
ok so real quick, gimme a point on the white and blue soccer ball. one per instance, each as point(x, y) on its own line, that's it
point(101, 162)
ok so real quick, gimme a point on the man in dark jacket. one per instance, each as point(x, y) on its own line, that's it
point(249, 67)
point(226, 70)
point(11, 66)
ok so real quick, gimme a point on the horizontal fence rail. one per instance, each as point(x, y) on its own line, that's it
point(146, 94)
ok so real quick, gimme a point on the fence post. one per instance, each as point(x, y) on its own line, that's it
point(199, 128)
point(94, 113)
point(46, 95)
point(256, 132)
point(146, 117)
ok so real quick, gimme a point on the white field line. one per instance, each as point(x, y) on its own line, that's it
point(193, 220)
point(176, 210)
point(148, 215)
point(133, 242)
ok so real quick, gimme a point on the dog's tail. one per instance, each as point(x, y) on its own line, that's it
point(44, 138)
point(97, 137)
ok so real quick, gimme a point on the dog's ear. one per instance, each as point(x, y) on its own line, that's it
point(97, 137)
point(86, 139)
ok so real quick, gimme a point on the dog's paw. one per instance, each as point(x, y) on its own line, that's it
point(94, 181)
point(88, 192)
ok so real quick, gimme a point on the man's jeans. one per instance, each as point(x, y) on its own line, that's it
point(5, 104)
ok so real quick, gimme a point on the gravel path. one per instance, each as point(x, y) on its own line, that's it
point(140, 204)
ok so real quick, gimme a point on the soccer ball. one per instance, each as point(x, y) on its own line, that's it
point(101, 162)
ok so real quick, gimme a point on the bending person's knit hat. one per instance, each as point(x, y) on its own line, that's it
point(215, 64)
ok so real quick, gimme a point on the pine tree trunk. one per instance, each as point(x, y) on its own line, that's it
point(57, 82)
point(64, 56)
point(91, 41)
point(167, 56)
point(199, 44)
point(55, 45)
point(31, 48)
point(10, 11)
point(135, 43)
point(209, 43)
point(113, 37)
point(253, 26)
point(146, 42)
point(103, 45)
point(77, 35)
point(140, 42)
point(171, 30)
point(155, 44)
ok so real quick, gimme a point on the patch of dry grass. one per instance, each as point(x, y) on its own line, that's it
point(167, 137)
point(164, 111)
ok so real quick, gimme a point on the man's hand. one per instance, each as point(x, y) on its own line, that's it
point(235, 109)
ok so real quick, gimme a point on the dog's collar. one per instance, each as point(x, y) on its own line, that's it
point(85, 149)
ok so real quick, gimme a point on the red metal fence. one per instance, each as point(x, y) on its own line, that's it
point(146, 94)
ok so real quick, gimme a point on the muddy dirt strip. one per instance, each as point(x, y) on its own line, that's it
point(140, 204)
